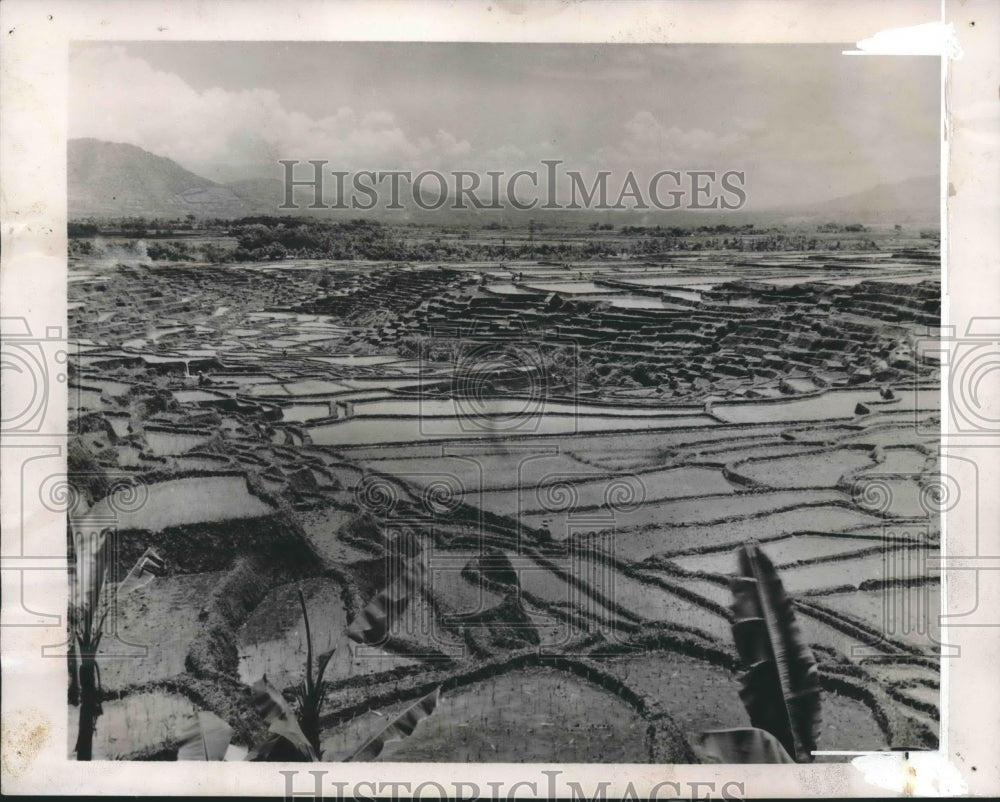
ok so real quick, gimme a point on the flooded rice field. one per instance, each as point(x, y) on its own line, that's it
point(539, 515)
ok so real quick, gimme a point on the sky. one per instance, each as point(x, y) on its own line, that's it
point(804, 122)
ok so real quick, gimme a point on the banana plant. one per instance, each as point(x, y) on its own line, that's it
point(91, 599)
point(297, 728)
point(780, 688)
point(87, 614)
point(309, 694)
point(285, 739)
point(294, 731)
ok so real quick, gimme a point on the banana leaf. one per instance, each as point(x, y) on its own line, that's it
point(149, 566)
point(91, 551)
point(780, 688)
point(282, 725)
point(310, 692)
point(207, 738)
point(399, 728)
point(738, 745)
point(372, 624)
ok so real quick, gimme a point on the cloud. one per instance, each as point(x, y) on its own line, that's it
point(120, 98)
point(649, 144)
point(799, 125)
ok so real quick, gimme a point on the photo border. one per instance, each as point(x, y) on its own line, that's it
point(33, 102)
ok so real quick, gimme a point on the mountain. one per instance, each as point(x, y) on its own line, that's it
point(264, 193)
point(915, 200)
point(111, 179)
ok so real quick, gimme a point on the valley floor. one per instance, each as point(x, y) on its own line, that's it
point(567, 455)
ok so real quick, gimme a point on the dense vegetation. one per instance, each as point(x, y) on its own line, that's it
point(255, 239)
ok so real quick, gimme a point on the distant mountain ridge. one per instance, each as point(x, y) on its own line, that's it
point(112, 179)
point(908, 201)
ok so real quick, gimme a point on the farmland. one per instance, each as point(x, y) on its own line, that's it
point(605, 427)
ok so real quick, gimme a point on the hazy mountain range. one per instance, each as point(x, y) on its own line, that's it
point(110, 179)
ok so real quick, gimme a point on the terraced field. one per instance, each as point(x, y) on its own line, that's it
point(570, 456)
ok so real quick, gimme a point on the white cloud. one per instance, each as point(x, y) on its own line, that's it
point(120, 98)
point(648, 144)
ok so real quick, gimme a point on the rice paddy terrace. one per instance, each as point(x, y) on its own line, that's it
point(569, 452)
